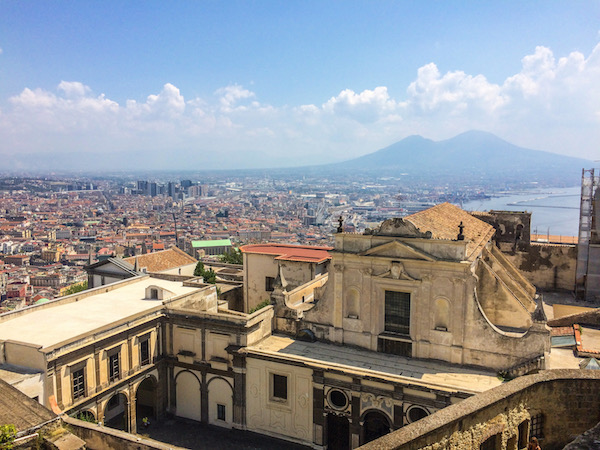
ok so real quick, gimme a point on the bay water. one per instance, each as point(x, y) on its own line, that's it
point(553, 211)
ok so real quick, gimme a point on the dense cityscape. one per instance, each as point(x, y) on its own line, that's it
point(303, 225)
point(51, 227)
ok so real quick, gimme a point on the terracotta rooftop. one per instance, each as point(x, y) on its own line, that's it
point(443, 221)
point(18, 409)
point(290, 252)
point(162, 260)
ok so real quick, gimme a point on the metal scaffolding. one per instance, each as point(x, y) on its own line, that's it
point(587, 275)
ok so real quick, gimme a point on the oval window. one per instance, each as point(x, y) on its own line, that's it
point(338, 399)
point(416, 413)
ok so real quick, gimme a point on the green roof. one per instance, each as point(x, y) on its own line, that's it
point(41, 300)
point(213, 243)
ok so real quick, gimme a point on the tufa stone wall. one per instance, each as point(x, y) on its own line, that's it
point(547, 266)
point(567, 400)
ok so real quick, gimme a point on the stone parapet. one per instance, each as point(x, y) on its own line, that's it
point(567, 402)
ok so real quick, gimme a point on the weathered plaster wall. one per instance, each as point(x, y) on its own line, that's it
point(290, 418)
point(547, 266)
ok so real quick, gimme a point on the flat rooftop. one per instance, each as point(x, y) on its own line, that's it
point(47, 325)
point(365, 362)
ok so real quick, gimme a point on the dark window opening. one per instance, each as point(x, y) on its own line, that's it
point(269, 284)
point(154, 293)
point(490, 443)
point(537, 426)
point(523, 441)
point(397, 312)
point(144, 352)
point(338, 399)
point(78, 384)
point(416, 413)
point(221, 412)
point(113, 367)
point(280, 387)
point(113, 402)
point(375, 426)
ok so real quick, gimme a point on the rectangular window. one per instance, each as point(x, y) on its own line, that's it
point(78, 383)
point(397, 312)
point(221, 412)
point(537, 426)
point(113, 367)
point(144, 352)
point(523, 434)
point(269, 284)
point(279, 385)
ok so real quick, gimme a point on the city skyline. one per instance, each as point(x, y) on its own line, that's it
point(263, 84)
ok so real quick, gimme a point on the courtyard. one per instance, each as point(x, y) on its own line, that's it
point(196, 436)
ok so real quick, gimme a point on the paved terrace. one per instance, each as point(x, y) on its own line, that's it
point(364, 362)
point(59, 321)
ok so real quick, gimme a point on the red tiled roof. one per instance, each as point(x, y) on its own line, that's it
point(162, 260)
point(443, 221)
point(290, 252)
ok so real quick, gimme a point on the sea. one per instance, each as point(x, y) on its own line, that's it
point(554, 211)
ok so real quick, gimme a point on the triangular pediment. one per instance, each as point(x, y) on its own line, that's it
point(400, 250)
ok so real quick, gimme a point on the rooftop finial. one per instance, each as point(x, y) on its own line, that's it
point(461, 236)
point(340, 228)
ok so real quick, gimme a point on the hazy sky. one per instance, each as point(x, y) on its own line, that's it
point(269, 83)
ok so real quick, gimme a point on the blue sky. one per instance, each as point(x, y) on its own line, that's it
point(265, 83)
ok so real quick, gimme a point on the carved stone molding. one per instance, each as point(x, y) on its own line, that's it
point(371, 401)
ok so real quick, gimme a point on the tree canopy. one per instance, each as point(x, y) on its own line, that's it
point(233, 256)
point(209, 275)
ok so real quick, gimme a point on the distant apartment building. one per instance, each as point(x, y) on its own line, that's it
point(254, 235)
point(17, 260)
point(16, 290)
point(52, 254)
point(53, 280)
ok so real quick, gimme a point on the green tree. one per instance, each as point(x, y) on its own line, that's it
point(233, 256)
point(7, 435)
point(76, 288)
point(199, 270)
point(209, 275)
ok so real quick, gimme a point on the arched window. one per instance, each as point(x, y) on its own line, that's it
point(442, 314)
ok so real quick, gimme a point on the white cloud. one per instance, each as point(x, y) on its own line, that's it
point(552, 103)
point(73, 88)
point(229, 96)
point(368, 105)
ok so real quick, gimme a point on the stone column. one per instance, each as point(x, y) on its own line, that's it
point(319, 422)
point(239, 391)
point(131, 410)
point(203, 398)
point(99, 412)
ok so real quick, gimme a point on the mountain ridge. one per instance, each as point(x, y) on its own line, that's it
point(470, 153)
